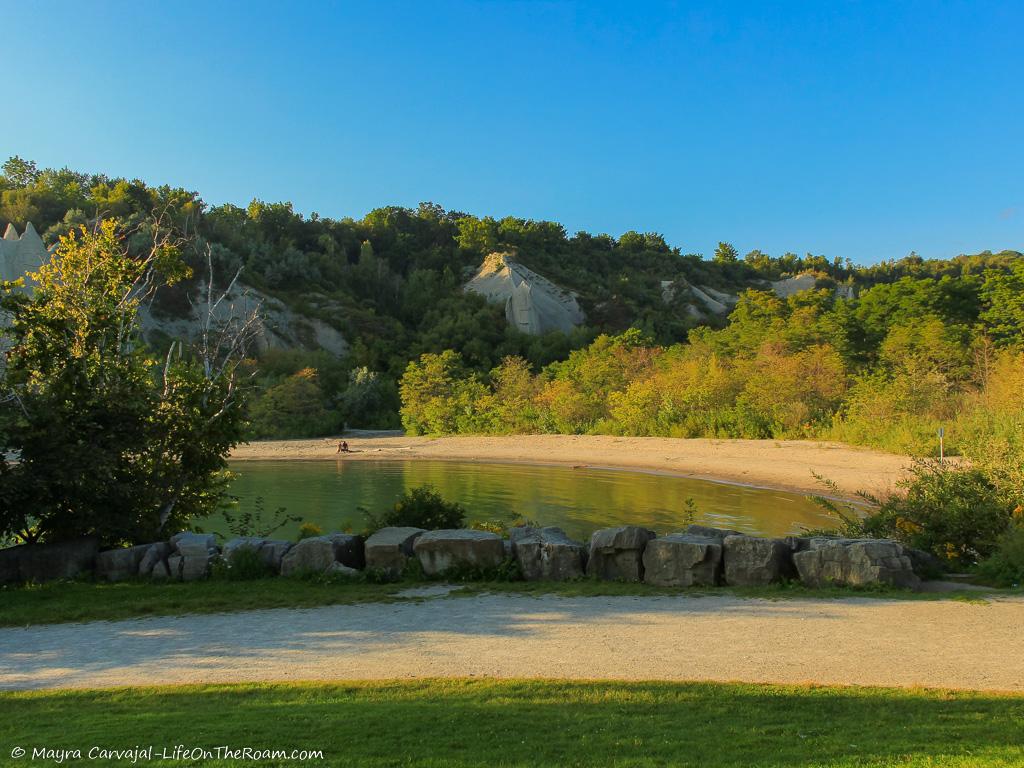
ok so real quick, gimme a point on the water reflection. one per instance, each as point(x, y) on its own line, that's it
point(581, 500)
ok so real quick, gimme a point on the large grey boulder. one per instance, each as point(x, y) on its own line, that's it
point(174, 567)
point(751, 561)
point(925, 564)
point(196, 567)
point(254, 543)
point(616, 554)
point(272, 552)
point(63, 560)
point(120, 564)
point(683, 560)
point(339, 569)
point(312, 555)
point(707, 532)
point(440, 551)
point(155, 556)
point(36, 563)
point(188, 543)
point(269, 551)
point(389, 549)
point(161, 571)
point(348, 549)
point(856, 562)
point(547, 554)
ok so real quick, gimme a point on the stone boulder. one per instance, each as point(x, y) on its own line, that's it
point(798, 543)
point(616, 554)
point(547, 554)
point(196, 567)
point(856, 563)
point(339, 569)
point(925, 564)
point(440, 551)
point(156, 556)
point(348, 549)
point(161, 571)
point(36, 563)
point(683, 560)
point(707, 532)
point(120, 564)
point(63, 560)
point(751, 561)
point(193, 555)
point(174, 567)
point(312, 555)
point(188, 543)
point(272, 552)
point(389, 549)
point(254, 543)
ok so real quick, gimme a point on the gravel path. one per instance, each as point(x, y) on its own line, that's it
point(944, 643)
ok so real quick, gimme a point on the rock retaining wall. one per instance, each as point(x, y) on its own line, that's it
point(697, 556)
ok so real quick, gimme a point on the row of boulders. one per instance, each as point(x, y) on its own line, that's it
point(698, 556)
point(703, 556)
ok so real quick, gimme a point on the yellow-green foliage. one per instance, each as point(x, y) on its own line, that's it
point(884, 370)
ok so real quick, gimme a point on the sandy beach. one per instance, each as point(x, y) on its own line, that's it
point(782, 464)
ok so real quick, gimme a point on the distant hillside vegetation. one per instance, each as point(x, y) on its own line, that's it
point(390, 287)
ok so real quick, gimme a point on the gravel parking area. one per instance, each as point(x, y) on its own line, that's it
point(863, 641)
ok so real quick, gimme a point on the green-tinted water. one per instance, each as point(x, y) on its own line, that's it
point(578, 500)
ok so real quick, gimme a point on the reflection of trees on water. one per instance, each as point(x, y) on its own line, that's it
point(579, 500)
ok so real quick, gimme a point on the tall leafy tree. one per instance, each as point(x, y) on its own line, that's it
point(110, 441)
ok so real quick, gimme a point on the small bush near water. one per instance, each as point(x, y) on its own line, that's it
point(421, 507)
point(953, 512)
point(244, 564)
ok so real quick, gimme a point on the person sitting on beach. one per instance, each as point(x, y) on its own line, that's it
point(343, 447)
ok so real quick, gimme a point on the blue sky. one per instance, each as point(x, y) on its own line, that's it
point(861, 130)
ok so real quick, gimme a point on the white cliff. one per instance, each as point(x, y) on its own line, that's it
point(21, 254)
point(279, 326)
point(533, 304)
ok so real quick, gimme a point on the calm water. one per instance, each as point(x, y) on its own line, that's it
point(578, 500)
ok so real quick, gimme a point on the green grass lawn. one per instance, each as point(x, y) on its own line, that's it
point(86, 601)
point(532, 723)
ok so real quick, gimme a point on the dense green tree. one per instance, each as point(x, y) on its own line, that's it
point(725, 253)
point(19, 173)
point(110, 441)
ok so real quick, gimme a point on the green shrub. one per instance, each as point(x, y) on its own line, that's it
point(955, 513)
point(255, 521)
point(244, 564)
point(421, 507)
point(1005, 568)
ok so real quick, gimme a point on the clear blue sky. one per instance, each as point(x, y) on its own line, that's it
point(860, 130)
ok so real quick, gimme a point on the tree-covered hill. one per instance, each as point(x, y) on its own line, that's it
point(392, 284)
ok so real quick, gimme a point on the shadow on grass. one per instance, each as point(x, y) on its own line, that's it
point(539, 723)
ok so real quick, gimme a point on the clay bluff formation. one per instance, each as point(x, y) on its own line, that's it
point(533, 304)
point(280, 327)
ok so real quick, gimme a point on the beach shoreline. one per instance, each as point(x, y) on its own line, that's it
point(786, 465)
